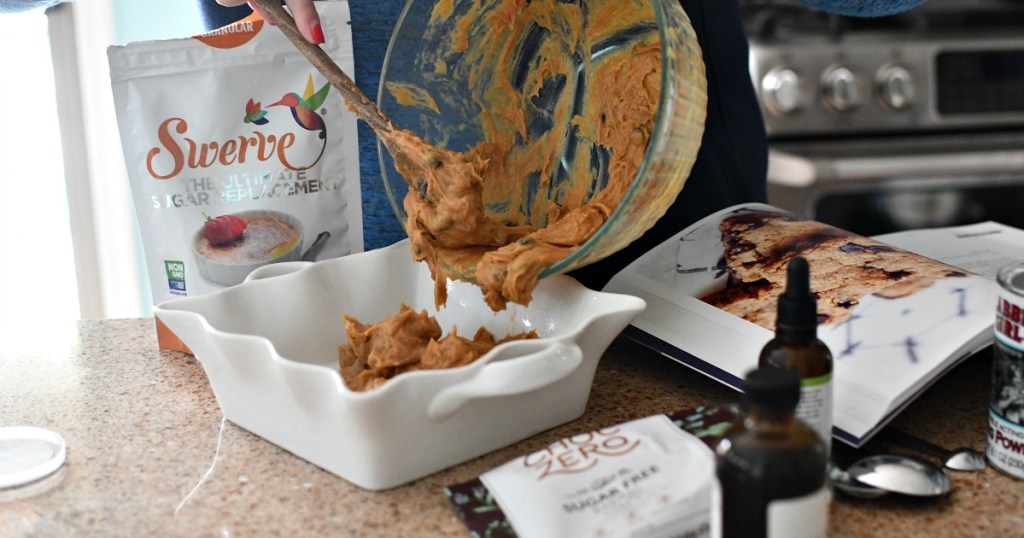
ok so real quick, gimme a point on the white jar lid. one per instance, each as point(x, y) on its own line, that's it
point(28, 453)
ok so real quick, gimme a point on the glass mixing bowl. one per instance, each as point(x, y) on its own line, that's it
point(438, 75)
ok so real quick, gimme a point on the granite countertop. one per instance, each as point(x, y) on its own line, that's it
point(150, 454)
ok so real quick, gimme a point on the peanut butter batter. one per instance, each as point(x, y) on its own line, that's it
point(406, 342)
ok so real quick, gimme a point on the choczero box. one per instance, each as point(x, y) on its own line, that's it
point(239, 154)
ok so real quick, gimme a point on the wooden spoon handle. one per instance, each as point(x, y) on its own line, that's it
point(357, 102)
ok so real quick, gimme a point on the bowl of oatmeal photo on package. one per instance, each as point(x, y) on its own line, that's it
point(228, 247)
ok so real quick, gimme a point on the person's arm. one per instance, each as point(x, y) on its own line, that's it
point(11, 6)
point(306, 17)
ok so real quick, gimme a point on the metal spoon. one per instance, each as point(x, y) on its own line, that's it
point(845, 483)
point(314, 250)
point(901, 474)
point(959, 459)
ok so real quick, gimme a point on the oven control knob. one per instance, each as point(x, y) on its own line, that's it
point(896, 87)
point(781, 91)
point(842, 89)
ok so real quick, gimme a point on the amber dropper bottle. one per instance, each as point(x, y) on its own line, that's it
point(772, 468)
point(796, 346)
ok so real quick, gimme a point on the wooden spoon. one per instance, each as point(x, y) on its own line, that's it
point(363, 107)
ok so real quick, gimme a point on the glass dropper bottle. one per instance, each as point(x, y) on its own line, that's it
point(796, 346)
point(772, 469)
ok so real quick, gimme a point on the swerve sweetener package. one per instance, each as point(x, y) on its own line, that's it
point(239, 154)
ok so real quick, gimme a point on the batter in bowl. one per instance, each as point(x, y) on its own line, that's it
point(610, 113)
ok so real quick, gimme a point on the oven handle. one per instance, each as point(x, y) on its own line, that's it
point(789, 170)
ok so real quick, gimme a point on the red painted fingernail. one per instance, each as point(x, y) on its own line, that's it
point(318, 34)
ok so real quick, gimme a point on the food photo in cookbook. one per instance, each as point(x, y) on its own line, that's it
point(758, 245)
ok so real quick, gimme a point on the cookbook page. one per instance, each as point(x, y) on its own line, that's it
point(980, 248)
point(894, 320)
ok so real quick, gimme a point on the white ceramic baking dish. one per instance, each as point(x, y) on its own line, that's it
point(269, 348)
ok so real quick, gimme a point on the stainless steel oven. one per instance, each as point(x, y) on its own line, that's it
point(892, 123)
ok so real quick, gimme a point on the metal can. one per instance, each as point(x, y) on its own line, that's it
point(1006, 407)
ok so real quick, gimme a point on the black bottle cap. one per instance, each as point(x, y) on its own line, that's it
point(770, 387)
point(797, 319)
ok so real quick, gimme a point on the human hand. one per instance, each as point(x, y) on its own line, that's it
point(305, 15)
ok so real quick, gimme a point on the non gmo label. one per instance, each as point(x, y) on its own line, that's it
point(175, 277)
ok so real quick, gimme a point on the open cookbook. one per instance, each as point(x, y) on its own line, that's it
point(894, 316)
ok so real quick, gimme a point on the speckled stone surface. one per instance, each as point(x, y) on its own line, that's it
point(150, 455)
